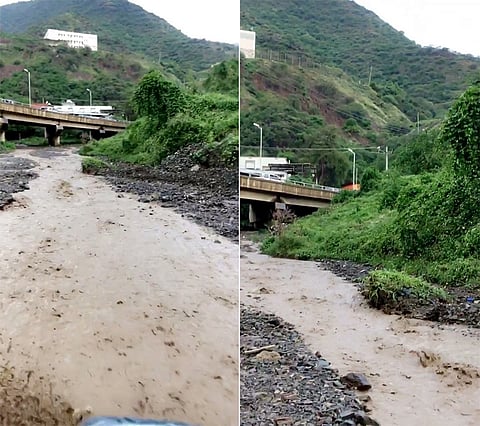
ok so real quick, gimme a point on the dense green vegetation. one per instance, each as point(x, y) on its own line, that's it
point(425, 224)
point(122, 27)
point(344, 34)
point(171, 117)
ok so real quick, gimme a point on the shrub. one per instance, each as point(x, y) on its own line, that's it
point(382, 287)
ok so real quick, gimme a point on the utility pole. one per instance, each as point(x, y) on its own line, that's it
point(386, 158)
point(370, 75)
point(418, 122)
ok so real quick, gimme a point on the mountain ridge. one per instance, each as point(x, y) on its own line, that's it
point(346, 35)
point(120, 25)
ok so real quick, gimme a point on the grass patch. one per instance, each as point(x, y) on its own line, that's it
point(346, 231)
point(7, 146)
point(113, 149)
point(34, 141)
point(384, 287)
point(93, 166)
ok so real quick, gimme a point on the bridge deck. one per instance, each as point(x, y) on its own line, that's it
point(288, 189)
point(24, 114)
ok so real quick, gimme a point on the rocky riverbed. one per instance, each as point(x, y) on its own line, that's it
point(208, 196)
point(15, 173)
point(287, 384)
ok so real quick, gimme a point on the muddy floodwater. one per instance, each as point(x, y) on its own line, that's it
point(421, 373)
point(122, 308)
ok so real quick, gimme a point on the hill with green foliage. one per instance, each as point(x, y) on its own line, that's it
point(172, 117)
point(122, 27)
point(345, 35)
point(313, 115)
point(421, 218)
point(60, 73)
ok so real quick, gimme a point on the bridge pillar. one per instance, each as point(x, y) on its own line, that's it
point(53, 134)
point(259, 213)
point(3, 128)
point(252, 216)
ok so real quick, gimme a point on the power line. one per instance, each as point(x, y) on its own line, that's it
point(376, 149)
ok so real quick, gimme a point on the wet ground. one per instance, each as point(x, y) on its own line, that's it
point(463, 306)
point(286, 383)
point(110, 306)
point(421, 372)
point(208, 196)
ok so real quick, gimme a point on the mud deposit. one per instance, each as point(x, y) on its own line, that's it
point(287, 384)
point(421, 372)
point(208, 196)
point(109, 306)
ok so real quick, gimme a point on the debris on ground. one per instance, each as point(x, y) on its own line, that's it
point(284, 383)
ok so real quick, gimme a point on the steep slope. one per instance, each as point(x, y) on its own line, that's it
point(346, 35)
point(313, 116)
point(121, 26)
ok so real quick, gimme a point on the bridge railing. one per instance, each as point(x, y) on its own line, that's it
point(23, 105)
point(314, 186)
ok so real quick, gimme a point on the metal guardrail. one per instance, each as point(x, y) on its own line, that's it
point(314, 186)
point(254, 174)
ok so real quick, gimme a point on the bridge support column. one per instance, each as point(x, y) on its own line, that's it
point(252, 216)
point(53, 134)
point(3, 129)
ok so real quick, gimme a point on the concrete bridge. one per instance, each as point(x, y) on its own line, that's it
point(54, 123)
point(264, 195)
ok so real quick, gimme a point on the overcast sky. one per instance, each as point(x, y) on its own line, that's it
point(439, 23)
point(215, 20)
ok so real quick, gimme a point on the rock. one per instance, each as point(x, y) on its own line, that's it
point(268, 356)
point(297, 388)
point(356, 380)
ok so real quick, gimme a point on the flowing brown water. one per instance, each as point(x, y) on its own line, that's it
point(421, 373)
point(124, 307)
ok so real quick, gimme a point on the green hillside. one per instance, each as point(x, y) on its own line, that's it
point(122, 27)
point(313, 116)
point(346, 35)
point(60, 73)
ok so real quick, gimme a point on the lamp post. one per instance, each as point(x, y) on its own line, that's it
point(353, 173)
point(90, 94)
point(261, 143)
point(29, 87)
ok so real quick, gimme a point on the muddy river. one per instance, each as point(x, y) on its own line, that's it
point(421, 373)
point(122, 308)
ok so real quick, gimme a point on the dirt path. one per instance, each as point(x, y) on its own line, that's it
point(123, 307)
point(421, 373)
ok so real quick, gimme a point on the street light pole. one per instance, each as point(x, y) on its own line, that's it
point(90, 94)
point(261, 143)
point(29, 87)
point(386, 158)
point(353, 172)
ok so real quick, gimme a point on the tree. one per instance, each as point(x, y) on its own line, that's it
point(158, 98)
point(462, 131)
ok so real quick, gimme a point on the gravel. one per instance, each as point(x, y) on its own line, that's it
point(208, 196)
point(15, 174)
point(287, 384)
